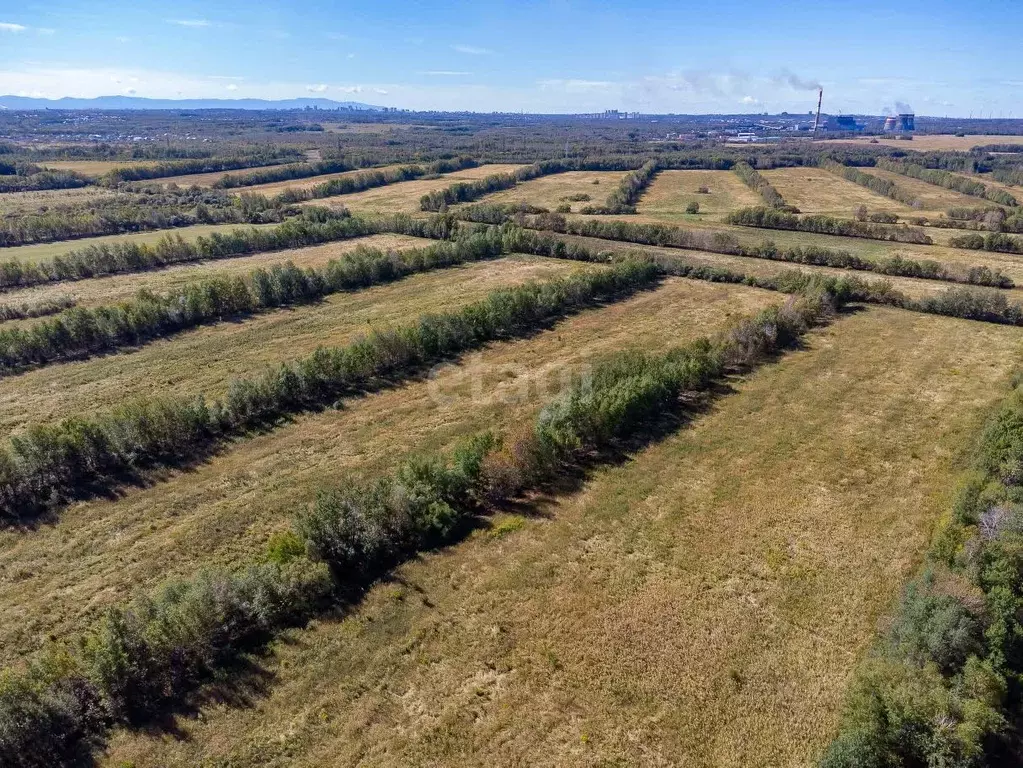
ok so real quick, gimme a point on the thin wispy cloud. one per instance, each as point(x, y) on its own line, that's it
point(190, 22)
point(7, 26)
point(445, 73)
point(472, 50)
point(319, 88)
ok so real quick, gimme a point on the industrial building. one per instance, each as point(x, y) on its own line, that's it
point(901, 123)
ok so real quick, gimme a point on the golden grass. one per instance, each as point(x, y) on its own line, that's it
point(404, 196)
point(277, 187)
point(550, 191)
point(814, 190)
point(702, 604)
point(937, 142)
point(671, 191)
point(41, 251)
point(224, 510)
point(109, 290)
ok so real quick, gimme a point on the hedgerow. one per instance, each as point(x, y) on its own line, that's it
point(141, 658)
point(874, 183)
point(752, 179)
point(45, 465)
point(770, 218)
point(81, 332)
point(625, 196)
point(947, 180)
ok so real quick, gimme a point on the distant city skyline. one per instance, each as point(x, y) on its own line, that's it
point(936, 58)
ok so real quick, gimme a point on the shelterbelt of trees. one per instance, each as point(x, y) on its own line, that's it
point(625, 196)
point(947, 180)
point(146, 656)
point(663, 235)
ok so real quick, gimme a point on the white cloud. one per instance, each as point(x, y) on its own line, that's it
point(6, 26)
point(445, 73)
point(472, 50)
point(130, 91)
point(321, 88)
point(45, 30)
point(232, 86)
point(190, 22)
point(380, 90)
point(350, 88)
point(750, 100)
point(576, 86)
point(122, 39)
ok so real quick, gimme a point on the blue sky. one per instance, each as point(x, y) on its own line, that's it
point(939, 57)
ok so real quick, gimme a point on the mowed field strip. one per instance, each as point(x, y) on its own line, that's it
point(666, 198)
point(403, 197)
point(552, 191)
point(224, 510)
point(114, 288)
point(701, 604)
point(934, 200)
point(924, 143)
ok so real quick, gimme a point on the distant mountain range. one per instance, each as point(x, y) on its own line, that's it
point(138, 102)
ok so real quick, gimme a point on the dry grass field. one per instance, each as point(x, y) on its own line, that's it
point(552, 191)
point(814, 190)
point(25, 202)
point(109, 290)
point(671, 191)
point(923, 143)
point(404, 196)
point(701, 604)
point(107, 550)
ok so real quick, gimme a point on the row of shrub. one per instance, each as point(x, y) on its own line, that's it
point(947, 180)
point(143, 210)
point(283, 173)
point(40, 179)
point(1011, 176)
point(625, 196)
point(45, 465)
point(944, 684)
point(993, 241)
point(771, 218)
point(143, 657)
point(312, 226)
point(81, 332)
point(167, 168)
point(663, 235)
point(874, 183)
point(962, 302)
point(374, 178)
point(752, 179)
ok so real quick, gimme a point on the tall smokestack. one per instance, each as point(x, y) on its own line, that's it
point(817, 120)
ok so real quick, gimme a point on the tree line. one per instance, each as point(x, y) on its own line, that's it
point(992, 241)
point(311, 227)
point(663, 235)
point(26, 177)
point(139, 211)
point(625, 196)
point(772, 218)
point(875, 184)
point(167, 168)
point(964, 302)
point(755, 181)
point(947, 180)
point(143, 657)
point(81, 332)
point(47, 464)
